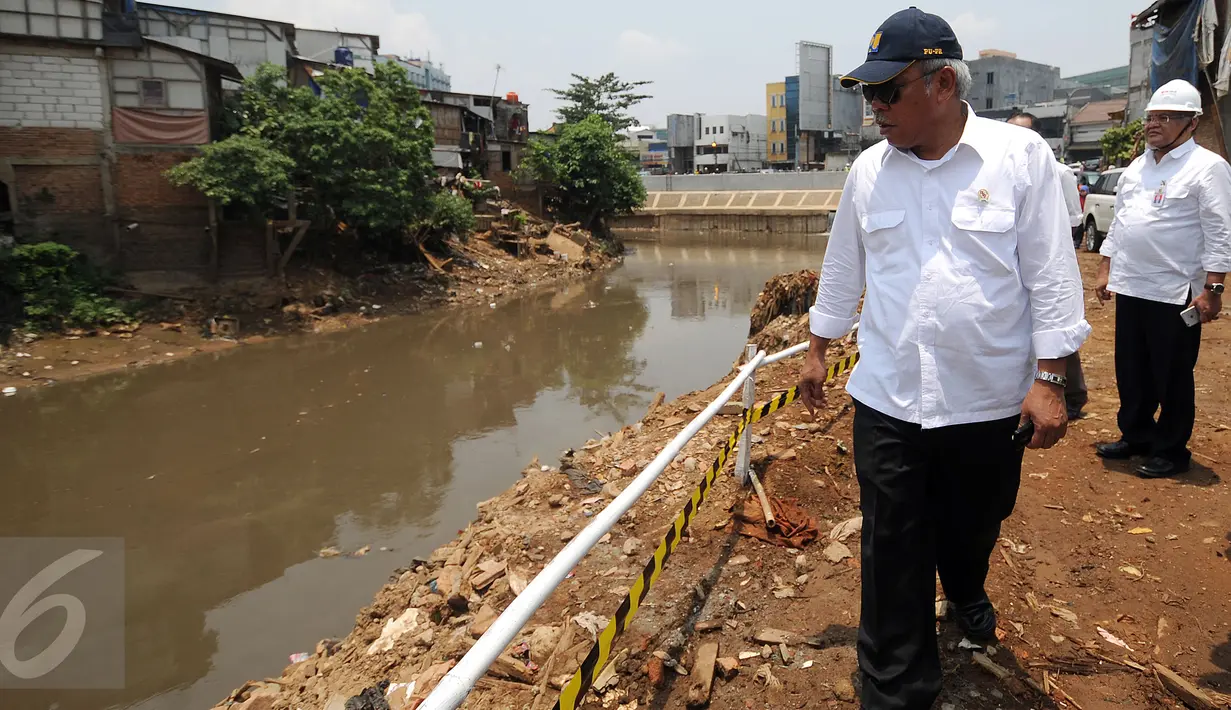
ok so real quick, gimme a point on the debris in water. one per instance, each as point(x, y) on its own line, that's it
point(299, 657)
point(10, 391)
point(329, 552)
point(478, 345)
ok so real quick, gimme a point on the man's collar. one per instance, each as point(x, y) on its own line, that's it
point(970, 137)
point(1180, 150)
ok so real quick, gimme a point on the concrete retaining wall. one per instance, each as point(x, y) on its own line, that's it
point(655, 226)
point(726, 182)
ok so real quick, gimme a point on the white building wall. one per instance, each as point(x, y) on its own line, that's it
point(62, 19)
point(244, 42)
point(319, 45)
point(184, 85)
point(50, 87)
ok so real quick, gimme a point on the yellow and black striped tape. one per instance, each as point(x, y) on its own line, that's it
point(571, 695)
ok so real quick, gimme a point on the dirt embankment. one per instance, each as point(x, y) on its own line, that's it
point(490, 267)
point(1112, 590)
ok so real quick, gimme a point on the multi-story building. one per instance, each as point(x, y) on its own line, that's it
point(731, 143)
point(423, 73)
point(92, 114)
point(1001, 80)
point(683, 130)
point(775, 109)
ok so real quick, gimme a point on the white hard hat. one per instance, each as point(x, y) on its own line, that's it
point(1176, 95)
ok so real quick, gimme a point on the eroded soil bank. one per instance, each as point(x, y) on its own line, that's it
point(1100, 575)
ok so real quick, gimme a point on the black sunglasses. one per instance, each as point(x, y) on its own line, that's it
point(888, 93)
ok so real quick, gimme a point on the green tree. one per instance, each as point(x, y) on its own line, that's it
point(1122, 143)
point(360, 154)
point(242, 169)
point(592, 178)
point(608, 96)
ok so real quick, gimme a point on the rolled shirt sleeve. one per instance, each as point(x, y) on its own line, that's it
point(1048, 263)
point(1215, 210)
point(842, 271)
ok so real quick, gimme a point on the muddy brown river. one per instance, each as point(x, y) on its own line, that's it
point(226, 474)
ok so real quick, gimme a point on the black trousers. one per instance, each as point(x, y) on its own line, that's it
point(932, 502)
point(1155, 357)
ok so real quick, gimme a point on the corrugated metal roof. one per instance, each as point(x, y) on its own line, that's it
point(1099, 111)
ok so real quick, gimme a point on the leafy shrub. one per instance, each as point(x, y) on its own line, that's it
point(449, 214)
point(58, 288)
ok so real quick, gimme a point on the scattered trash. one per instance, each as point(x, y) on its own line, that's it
point(329, 552)
point(370, 699)
point(765, 674)
point(478, 345)
point(10, 391)
point(1132, 571)
point(1140, 531)
point(846, 528)
point(299, 657)
point(591, 622)
point(395, 629)
point(1063, 614)
point(967, 645)
point(1111, 639)
point(361, 552)
point(836, 552)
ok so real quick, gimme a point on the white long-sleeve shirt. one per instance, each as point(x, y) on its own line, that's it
point(1172, 225)
point(1072, 198)
point(970, 273)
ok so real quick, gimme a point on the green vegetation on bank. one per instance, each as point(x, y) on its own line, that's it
point(49, 286)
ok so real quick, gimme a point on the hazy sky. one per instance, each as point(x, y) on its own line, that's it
point(713, 56)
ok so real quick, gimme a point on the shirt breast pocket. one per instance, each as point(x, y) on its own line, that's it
point(983, 238)
point(881, 227)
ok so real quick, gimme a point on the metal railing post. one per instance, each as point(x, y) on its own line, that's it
point(743, 459)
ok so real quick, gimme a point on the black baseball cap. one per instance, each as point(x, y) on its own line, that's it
point(906, 37)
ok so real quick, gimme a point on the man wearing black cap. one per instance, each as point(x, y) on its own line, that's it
point(957, 228)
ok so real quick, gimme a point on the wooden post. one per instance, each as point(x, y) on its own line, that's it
point(271, 247)
point(302, 226)
point(213, 241)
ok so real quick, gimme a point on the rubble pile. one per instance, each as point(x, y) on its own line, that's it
point(785, 294)
point(522, 234)
point(432, 611)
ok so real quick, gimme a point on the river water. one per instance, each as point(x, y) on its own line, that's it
point(226, 474)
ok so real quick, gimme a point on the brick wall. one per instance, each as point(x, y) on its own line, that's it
point(51, 87)
point(50, 142)
point(139, 182)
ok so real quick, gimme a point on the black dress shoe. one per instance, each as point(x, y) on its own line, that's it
point(977, 621)
point(1159, 467)
point(1074, 413)
point(1121, 450)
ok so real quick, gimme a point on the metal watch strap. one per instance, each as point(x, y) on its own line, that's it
point(1053, 378)
point(1217, 289)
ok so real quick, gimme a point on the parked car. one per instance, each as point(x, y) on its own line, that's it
point(1100, 208)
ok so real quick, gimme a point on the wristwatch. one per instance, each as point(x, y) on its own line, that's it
point(1052, 378)
point(1215, 289)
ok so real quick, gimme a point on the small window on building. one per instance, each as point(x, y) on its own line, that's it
point(991, 78)
point(153, 92)
point(773, 101)
point(506, 161)
point(707, 130)
point(989, 104)
point(722, 129)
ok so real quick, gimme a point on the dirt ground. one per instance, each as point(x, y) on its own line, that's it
point(1100, 574)
point(309, 300)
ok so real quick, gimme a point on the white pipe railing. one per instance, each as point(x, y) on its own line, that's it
point(459, 681)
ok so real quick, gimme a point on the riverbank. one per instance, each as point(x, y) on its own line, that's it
point(1100, 574)
point(310, 299)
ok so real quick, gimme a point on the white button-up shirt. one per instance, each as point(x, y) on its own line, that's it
point(1172, 225)
point(1072, 197)
point(970, 273)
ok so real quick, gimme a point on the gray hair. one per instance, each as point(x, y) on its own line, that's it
point(960, 68)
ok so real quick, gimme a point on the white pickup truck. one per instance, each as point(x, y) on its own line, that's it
point(1100, 209)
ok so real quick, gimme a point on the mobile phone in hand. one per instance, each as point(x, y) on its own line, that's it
point(1191, 316)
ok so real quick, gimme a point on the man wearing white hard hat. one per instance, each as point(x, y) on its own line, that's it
point(1165, 257)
